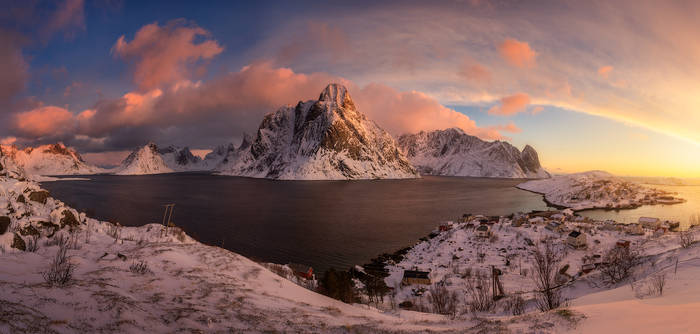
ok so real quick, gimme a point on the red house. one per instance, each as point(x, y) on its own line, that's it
point(302, 270)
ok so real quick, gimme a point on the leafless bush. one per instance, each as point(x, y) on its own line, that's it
point(442, 300)
point(618, 263)
point(88, 232)
point(59, 240)
point(657, 284)
point(72, 241)
point(478, 293)
point(32, 244)
point(61, 269)
point(139, 268)
point(545, 262)
point(114, 231)
point(686, 238)
point(515, 305)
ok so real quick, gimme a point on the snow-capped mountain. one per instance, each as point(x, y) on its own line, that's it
point(55, 159)
point(321, 139)
point(151, 159)
point(455, 153)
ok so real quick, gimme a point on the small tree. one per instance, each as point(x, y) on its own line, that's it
point(694, 220)
point(545, 262)
point(477, 289)
point(442, 300)
point(61, 269)
point(657, 284)
point(338, 285)
point(618, 263)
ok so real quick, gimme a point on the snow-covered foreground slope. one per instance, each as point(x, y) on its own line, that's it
point(321, 139)
point(596, 189)
point(622, 309)
point(150, 159)
point(56, 159)
point(452, 152)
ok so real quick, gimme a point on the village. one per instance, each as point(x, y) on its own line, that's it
point(500, 249)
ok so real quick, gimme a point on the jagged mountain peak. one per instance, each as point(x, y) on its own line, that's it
point(335, 93)
point(326, 138)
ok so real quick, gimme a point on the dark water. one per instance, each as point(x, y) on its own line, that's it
point(320, 223)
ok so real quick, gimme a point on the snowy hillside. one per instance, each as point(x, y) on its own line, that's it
point(151, 159)
point(452, 152)
point(321, 139)
point(596, 189)
point(56, 159)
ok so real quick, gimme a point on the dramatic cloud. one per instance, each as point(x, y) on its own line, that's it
point(44, 121)
point(604, 71)
point(212, 112)
point(165, 54)
point(517, 53)
point(511, 105)
point(410, 112)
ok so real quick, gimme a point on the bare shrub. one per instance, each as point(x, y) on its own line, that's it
point(657, 284)
point(61, 269)
point(442, 300)
point(545, 262)
point(686, 238)
point(32, 244)
point(618, 263)
point(139, 268)
point(515, 305)
point(478, 293)
point(59, 240)
point(114, 231)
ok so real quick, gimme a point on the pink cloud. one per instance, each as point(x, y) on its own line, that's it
point(536, 110)
point(238, 101)
point(475, 72)
point(165, 54)
point(109, 158)
point(517, 53)
point(410, 112)
point(604, 71)
point(44, 121)
point(511, 105)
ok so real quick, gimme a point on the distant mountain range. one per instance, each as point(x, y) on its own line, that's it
point(455, 153)
point(324, 139)
point(55, 159)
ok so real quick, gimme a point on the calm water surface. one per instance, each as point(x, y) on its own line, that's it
point(320, 223)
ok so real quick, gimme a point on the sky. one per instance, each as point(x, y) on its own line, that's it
point(590, 84)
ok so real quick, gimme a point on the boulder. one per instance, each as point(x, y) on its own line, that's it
point(69, 219)
point(18, 243)
point(4, 224)
point(39, 196)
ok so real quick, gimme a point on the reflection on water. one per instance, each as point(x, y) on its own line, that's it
point(320, 223)
point(676, 212)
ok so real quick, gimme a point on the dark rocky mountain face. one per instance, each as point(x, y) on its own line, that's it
point(326, 138)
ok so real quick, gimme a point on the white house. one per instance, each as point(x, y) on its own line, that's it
point(576, 239)
point(650, 222)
